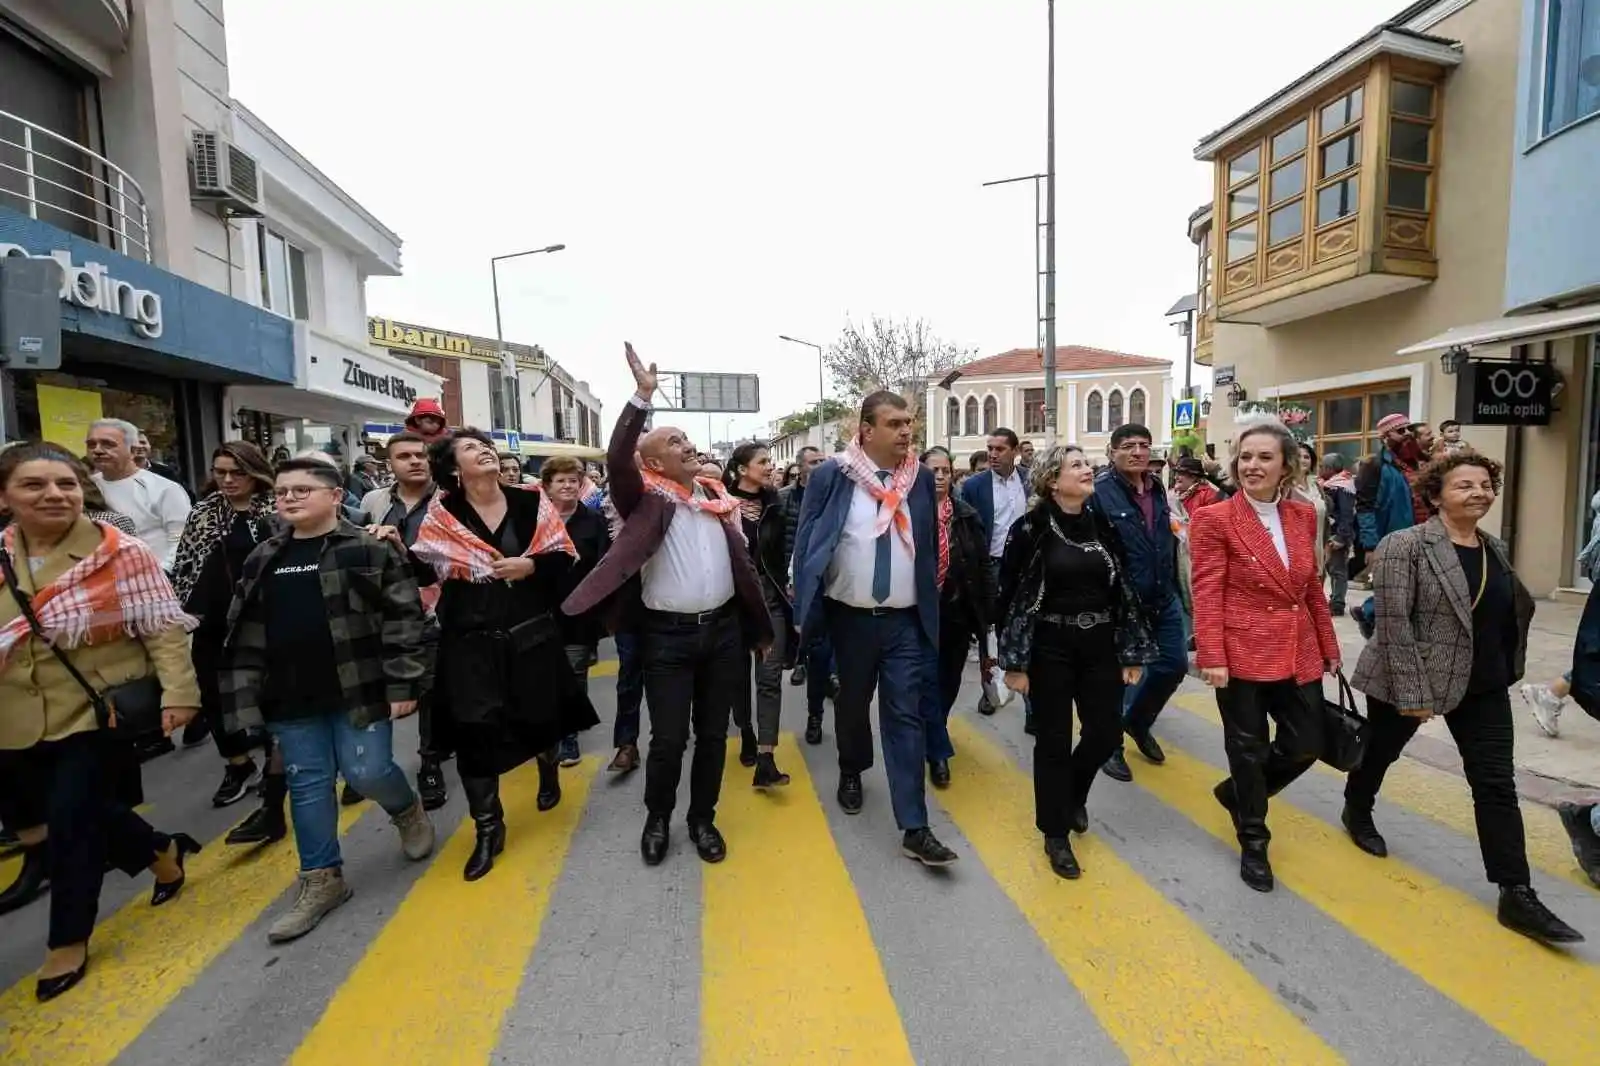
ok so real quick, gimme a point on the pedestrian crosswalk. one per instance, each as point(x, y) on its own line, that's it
point(817, 942)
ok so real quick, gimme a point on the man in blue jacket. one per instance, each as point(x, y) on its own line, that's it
point(1384, 500)
point(1000, 496)
point(1136, 504)
point(866, 556)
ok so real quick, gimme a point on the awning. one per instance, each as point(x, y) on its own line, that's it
point(547, 449)
point(1518, 329)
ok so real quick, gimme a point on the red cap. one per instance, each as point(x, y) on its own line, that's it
point(425, 408)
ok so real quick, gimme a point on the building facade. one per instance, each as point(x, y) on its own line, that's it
point(99, 109)
point(1409, 223)
point(547, 405)
point(1096, 391)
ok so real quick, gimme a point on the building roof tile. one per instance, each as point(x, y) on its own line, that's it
point(1070, 359)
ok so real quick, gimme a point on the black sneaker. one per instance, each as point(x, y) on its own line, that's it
point(1522, 912)
point(1578, 822)
point(922, 845)
point(568, 754)
point(431, 786)
point(237, 779)
point(1116, 767)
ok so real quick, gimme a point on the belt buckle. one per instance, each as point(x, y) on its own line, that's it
point(705, 616)
point(1086, 620)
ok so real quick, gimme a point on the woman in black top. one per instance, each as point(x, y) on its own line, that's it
point(234, 515)
point(761, 516)
point(966, 608)
point(504, 692)
point(1451, 638)
point(1073, 632)
point(562, 479)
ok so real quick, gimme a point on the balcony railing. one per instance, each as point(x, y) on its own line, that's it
point(56, 180)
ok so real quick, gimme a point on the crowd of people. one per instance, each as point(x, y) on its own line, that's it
point(297, 610)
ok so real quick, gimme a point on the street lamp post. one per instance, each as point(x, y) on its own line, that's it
point(821, 388)
point(1050, 240)
point(514, 394)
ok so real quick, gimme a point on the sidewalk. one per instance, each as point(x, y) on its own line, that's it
point(1549, 769)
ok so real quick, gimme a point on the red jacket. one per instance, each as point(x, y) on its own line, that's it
point(1202, 495)
point(1259, 619)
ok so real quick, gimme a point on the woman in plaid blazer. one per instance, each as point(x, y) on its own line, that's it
point(1452, 637)
point(1263, 634)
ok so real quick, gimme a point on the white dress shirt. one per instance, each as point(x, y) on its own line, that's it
point(157, 507)
point(1268, 513)
point(849, 577)
point(691, 571)
point(1010, 501)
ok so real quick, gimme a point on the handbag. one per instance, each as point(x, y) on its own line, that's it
point(1344, 730)
point(129, 709)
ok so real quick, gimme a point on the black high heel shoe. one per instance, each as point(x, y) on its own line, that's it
point(48, 988)
point(167, 891)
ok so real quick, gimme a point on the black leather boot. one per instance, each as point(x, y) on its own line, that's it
point(488, 817)
point(32, 879)
point(549, 782)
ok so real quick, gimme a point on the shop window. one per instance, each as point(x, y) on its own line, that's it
point(283, 276)
point(1571, 64)
point(972, 416)
point(1033, 410)
point(1094, 414)
point(1114, 409)
point(1343, 422)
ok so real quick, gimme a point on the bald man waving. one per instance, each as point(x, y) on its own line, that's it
point(679, 578)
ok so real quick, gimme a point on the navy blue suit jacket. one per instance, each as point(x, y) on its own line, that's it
point(822, 519)
point(978, 490)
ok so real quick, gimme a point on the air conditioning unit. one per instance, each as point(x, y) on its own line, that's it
point(222, 173)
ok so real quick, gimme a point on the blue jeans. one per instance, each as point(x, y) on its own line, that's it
point(1143, 703)
point(889, 653)
point(313, 750)
point(819, 671)
point(630, 691)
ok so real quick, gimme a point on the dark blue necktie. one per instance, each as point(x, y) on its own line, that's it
point(880, 559)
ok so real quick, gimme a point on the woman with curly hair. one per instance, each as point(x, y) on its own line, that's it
point(1452, 624)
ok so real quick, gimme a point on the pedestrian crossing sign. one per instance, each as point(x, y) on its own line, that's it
point(1183, 414)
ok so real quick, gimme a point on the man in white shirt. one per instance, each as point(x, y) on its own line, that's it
point(157, 507)
point(1000, 496)
point(680, 578)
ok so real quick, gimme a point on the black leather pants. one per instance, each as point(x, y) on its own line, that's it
point(1262, 766)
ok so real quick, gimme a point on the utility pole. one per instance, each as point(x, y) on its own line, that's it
point(1050, 421)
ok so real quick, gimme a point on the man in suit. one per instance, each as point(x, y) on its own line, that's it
point(1000, 496)
point(866, 557)
point(680, 578)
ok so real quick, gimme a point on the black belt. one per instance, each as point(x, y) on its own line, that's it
point(875, 612)
point(1082, 620)
point(689, 618)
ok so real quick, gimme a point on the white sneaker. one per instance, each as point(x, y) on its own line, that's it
point(1546, 707)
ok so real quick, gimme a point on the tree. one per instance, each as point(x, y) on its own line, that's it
point(885, 354)
point(800, 421)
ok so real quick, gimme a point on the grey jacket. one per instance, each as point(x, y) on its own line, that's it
point(1421, 654)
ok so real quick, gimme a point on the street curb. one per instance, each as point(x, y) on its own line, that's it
point(1536, 787)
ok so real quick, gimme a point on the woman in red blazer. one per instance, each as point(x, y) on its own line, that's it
point(1263, 633)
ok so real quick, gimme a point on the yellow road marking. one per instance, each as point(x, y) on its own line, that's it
point(1541, 999)
point(790, 970)
point(143, 957)
point(608, 668)
point(1160, 986)
point(1444, 797)
point(435, 984)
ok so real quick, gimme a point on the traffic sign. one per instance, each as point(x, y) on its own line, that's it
point(1183, 414)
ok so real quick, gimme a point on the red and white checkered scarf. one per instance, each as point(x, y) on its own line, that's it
point(118, 591)
point(895, 496)
point(716, 500)
point(456, 553)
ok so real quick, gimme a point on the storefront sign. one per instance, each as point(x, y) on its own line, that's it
point(359, 377)
point(1505, 394)
point(425, 340)
point(92, 286)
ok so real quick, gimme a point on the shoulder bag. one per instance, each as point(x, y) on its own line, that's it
point(1344, 730)
point(130, 709)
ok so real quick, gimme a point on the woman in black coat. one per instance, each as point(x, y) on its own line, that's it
point(1073, 633)
point(504, 692)
point(561, 478)
point(966, 609)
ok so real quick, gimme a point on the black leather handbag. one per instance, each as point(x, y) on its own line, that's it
point(1344, 730)
point(132, 709)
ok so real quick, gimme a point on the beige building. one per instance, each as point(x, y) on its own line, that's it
point(1096, 391)
point(1360, 211)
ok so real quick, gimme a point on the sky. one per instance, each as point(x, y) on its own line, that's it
point(724, 172)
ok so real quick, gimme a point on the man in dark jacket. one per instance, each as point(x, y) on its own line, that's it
point(1339, 490)
point(814, 663)
point(1134, 502)
point(1386, 499)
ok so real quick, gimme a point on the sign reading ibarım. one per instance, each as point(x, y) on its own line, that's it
point(425, 340)
point(91, 286)
point(1505, 394)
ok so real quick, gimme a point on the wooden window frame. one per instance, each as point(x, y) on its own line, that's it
point(1357, 126)
point(1429, 169)
point(1033, 410)
point(1317, 401)
point(1229, 223)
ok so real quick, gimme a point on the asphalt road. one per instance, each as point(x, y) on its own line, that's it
point(817, 942)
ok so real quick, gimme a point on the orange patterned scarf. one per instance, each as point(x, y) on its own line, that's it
point(716, 500)
point(894, 497)
point(117, 592)
point(456, 553)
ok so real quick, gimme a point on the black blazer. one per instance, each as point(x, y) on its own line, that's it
point(591, 535)
point(969, 587)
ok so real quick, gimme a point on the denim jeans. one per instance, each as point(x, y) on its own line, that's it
point(313, 750)
point(1339, 576)
point(630, 691)
point(1143, 703)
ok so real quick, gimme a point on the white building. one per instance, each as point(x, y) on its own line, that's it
point(1096, 391)
point(830, 437)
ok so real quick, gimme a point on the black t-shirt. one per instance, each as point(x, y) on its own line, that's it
point(1077, 576)
point(302, 677)
point(1494, 625)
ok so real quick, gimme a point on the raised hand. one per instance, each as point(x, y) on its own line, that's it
point(644, 377)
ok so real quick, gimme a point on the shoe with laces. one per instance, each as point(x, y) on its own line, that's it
point(416, 832)
point(321, 892)
point(1546, 708)
point(237, 780)
point(1521, 911)
point(922, 845)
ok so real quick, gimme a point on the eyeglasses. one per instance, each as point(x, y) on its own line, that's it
point(226, 475)
point(298, 492)
point(1133, 446)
